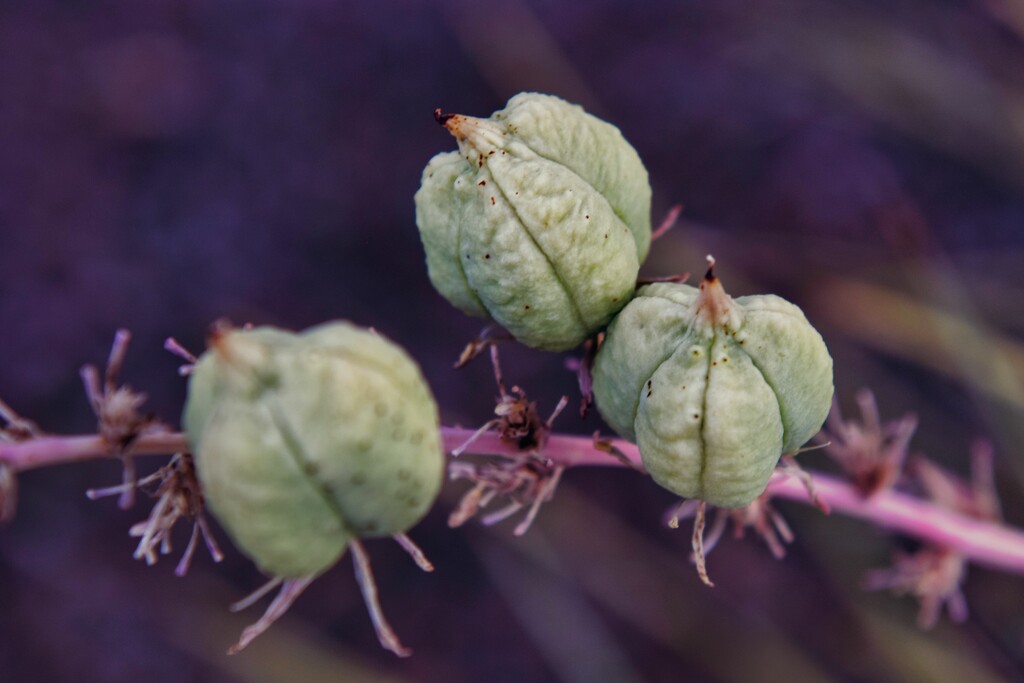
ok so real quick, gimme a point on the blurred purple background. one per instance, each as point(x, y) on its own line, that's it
point(163, 164)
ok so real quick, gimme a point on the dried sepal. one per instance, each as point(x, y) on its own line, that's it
point(583, 368)
point(527, 481)
point(871, 452)
point(291, 589)
point(487, 339)
point(759, 515)
point(608, 446)
point(178, 497)
point(174, 346)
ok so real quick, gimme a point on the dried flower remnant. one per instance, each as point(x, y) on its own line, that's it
point(872, 453)
point(517, 420)
point(527, 481)
point(934, 574)
point(759, 514)
point(117, 410)
point(179, 496)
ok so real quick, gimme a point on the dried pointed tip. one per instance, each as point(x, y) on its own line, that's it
point(441, 117)
point(710, 275)
point(713, 305)
point(218, 330)
point(415, 552)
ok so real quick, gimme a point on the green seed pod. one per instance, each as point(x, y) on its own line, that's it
point(540, 221)
point(303, 442)
point(712, 390)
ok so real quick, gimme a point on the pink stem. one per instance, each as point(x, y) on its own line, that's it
point(45, 451)
point(983, 542)
point(989, 543)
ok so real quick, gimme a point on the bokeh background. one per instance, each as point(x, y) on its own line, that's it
point(168, 162)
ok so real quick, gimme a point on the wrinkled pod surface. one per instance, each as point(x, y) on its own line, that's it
point(713, 390)
point(539, 221)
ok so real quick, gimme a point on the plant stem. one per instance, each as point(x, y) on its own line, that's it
point(45, 451)
point(983, 542)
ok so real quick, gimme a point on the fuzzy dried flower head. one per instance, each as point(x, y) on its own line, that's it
point(934, 574)
point(871, 452)
point(527, 482)
point(178, 496)
point(116, 407)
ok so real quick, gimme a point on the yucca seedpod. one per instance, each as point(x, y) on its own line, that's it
point(712, 389)
point(540, 221)
point(304, 442)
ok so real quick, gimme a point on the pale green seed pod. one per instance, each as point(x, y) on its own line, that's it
point(713, 390)
point(303, 442)
point(540, 221)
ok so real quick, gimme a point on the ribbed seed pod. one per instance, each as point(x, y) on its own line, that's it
point(712, 390)
point(540, 221)
point(303, 442)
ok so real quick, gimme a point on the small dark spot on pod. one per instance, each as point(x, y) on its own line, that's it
point(526, 307)
point(714, 362)
point(357, 479)
point(310, 468)
point(487, 256)
point(696, 416)
point(482, 183)
point(586, 216)
point(492, 201)
point(606, 235)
